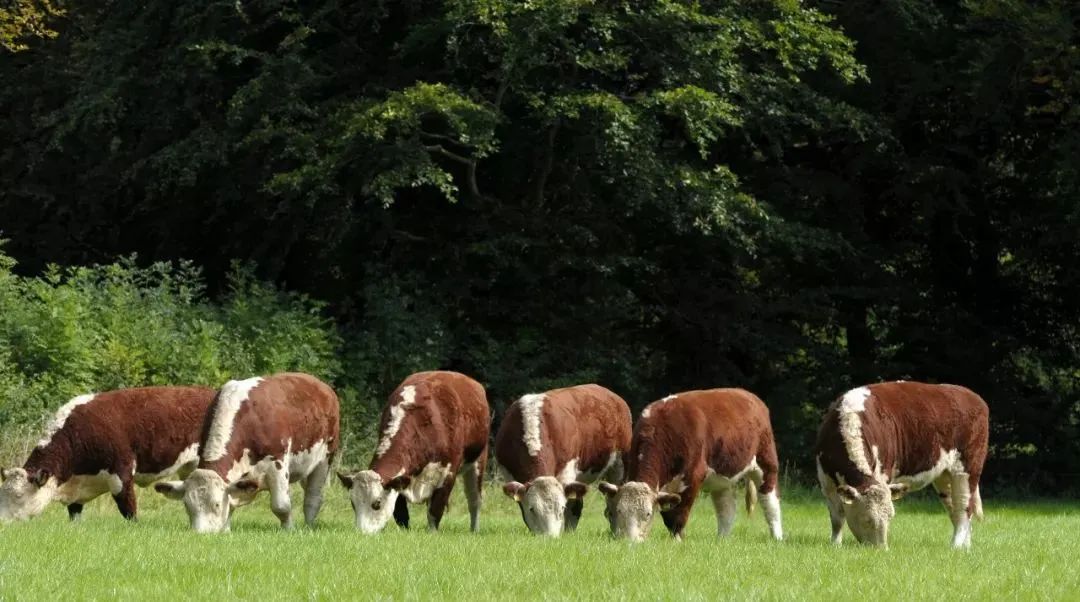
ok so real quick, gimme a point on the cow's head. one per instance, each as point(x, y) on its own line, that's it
point(25, 495)
point(373, 499)
point(630, 508)
point(543, 502)
point(869, 511)
point(207, 498)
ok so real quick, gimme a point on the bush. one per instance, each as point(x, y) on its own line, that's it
point(79, 329)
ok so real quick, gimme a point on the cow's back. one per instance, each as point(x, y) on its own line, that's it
point(267, 417)
point(583, 423)
point(725, 428)
point(143, 429)
point(902, 428)
point(447, 414)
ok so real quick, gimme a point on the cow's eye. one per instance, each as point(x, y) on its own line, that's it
point(376, 505)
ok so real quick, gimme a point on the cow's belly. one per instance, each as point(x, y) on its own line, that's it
point(948, 461)
point(184, 463)
point(715, 481)
point(570, 472)
point(83, 488)
point(304, 462)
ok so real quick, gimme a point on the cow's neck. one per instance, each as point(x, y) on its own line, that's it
point(394, 462)
point(55, 457)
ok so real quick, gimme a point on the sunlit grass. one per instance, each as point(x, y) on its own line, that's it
point(1026, 551)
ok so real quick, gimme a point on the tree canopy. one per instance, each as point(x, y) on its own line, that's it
point(793, 197)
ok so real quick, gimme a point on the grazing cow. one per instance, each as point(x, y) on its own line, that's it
point(261, 433)
point(699, 440)
point(553, 444)
point(108, 442)
point(878, 442)
point(434, 426)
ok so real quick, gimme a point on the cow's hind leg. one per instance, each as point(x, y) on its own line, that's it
point(960, 513)
point(277, 481)
point(440, 499)
point(724, 502)
point(125, 499)
point(473, 475)
point(401, 512)
point(313, 486)
point(74, 511)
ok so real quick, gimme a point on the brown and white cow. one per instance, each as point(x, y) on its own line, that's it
point(261, 433)
point(686, 443)
point(878, 442)
point(108, 443)
point(553, 444)
point(434, 427)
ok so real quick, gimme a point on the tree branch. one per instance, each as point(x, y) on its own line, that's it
point(548, 162)
point(470, 165)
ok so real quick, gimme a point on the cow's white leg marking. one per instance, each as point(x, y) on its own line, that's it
point(770, 506)
point(943, 485)
point(833, 502)
point(61, 417)
point(470, 473)
point(229, 399)
point(531, 409)
point(397, 414)
point(277, 481)
point(961, 495)
point(313, 487)
point(977, 504)
point(724, 502)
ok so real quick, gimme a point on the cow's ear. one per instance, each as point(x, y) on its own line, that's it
point(173, 490)
point(899, 490)
point(848, 494)
point(346, 480)
point(245, 485)
point(515, 490)
point(667, 501)
point(399, 482)
point(575, 490)
point(5, 474)
point(39, 477)
point(607, 488)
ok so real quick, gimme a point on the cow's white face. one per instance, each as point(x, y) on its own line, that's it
point(869, 513)
point(372, 502)
point(24, 496)
point(543, 502)
point(207, 498)
point(630, 508)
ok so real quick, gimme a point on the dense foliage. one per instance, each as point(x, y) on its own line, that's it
point(662, 195)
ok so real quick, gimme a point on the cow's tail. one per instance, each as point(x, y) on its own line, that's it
point(977, 504)
point(751, 496)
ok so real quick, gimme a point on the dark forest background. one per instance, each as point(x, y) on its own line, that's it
point(796, 198)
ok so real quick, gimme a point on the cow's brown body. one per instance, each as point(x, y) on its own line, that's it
point(703, 440)
point(587, 425)
point(136, 435)
point(446, 424)
point(261, 433)
point(573, 434)
point(907, 435)
point(285, 413)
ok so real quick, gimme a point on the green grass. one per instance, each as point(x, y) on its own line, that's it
point(1021, 551)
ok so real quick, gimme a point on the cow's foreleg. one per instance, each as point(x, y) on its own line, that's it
point(401, 512)
point(74, 511)
point(438, 503)
point(943, 486)
point(724, 502)
point(960, 513)
point(473, 474)
point(277, 481)
point(676, 518)
point(833, 503)
point(313, 491)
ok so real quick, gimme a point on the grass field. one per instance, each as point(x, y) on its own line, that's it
point(1021, 551)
